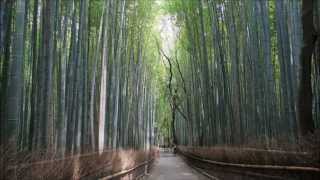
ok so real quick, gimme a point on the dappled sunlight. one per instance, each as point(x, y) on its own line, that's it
point(127, 159)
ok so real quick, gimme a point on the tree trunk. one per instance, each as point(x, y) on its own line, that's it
point(306, 124)
point(16, 76)
point(6, 28)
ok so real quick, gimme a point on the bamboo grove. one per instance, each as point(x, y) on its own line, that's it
point(236, 71)
point(80, 76)
point(75, 75)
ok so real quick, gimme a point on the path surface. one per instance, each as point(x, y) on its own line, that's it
point(172, 167)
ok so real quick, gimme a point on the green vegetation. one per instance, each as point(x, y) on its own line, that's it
point(78, 76)
point(240, 69)
point(87, 76)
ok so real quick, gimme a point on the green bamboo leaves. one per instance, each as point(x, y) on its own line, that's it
point(78, 80)
point(240, 63)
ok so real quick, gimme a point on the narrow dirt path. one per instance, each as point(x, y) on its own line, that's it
point(172, 167)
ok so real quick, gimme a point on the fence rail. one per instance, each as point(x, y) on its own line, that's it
point(206, 166)
point(128, 171)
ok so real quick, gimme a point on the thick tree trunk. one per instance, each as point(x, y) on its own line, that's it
point(7, 19)
point(103, 83)
point(34, 58)
point(306, 124)
point(16, 76)
point(47, 62)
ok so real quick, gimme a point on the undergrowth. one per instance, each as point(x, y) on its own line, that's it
point(305, 152)
point(47, 165)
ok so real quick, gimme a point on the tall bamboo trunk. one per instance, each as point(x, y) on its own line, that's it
point(306, 124)
point(15, 85)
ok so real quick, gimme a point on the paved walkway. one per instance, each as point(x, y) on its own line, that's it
point(172, 167)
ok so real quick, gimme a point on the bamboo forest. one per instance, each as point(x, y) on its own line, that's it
point(160, 89)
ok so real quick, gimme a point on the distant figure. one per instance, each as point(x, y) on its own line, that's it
point(174, 149)
point(157, 153)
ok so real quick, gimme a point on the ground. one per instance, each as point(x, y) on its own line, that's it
point(172, 167)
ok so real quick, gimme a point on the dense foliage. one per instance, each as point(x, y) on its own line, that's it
point(239, 78)
point(90, 75)
point(76, 76)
